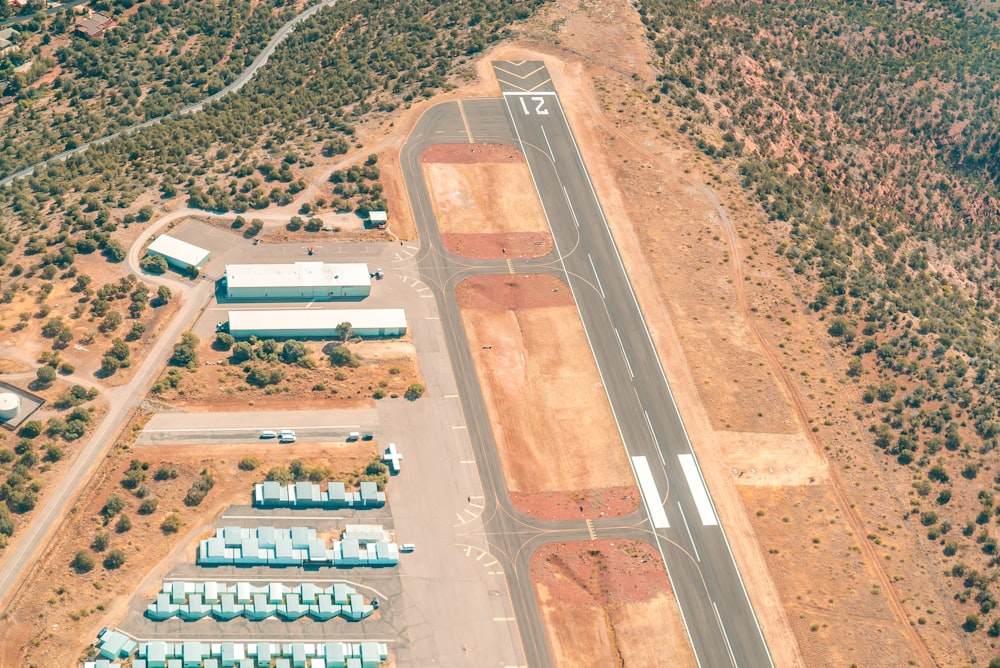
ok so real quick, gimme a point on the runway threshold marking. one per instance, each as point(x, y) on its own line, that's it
point(590, 530)
point(465, 121)
point(698, 490)
point(650, 495)
point(510, 266)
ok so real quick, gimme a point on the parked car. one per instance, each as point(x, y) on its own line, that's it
point(268, 433)
point(286, 436)
point(407, 547)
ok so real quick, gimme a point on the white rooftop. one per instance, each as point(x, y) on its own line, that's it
point(316, 319)
point(378, 216)
point(179, 250)
point(299, 274)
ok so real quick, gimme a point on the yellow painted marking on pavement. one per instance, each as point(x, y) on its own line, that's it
point(471, 513)
point(491, 564)
point(539, 85)
point(512, 85)
point(480, 557)
point(503, 619)
point(510, 266)
point(460, 519)
point(465, 121)
point(468, 461)
point(459, 426)
point(590, 530)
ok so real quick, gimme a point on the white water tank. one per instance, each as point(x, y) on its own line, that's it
point(10, 404)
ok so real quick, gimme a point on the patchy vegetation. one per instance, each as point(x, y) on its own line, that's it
point(866, 133)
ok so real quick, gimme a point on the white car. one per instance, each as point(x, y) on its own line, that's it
point(286, 436)
point(407, 547)
point(267, 433)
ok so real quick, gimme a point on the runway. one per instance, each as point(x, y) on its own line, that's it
point(678, 516)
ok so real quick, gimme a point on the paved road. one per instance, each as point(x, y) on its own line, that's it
point(717, 612)
point(48, 11)
point(237, 84)
point(123, 401)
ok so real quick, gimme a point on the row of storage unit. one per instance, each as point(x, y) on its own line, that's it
point(272, 494)
point(196, 654)
point(297, 546)
point(197, 600)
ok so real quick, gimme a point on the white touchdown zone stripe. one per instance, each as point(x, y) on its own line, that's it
point(698, 491)
point(650, 495)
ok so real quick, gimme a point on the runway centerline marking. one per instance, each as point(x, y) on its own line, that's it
point(690, 537)
point(552, 155)
point(647, 485)
point(572, 212)
point(622, 346)
point(597, 277)
point(698, 490)
point(725, 635)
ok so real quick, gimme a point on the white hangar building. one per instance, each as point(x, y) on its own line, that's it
point(316, 323)
point(177, 253)
point(300, 280)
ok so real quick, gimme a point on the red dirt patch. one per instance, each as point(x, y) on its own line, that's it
point(609, 603)
point(514, 245)
point(606, 502)
point(467, 154)
point(514, 291)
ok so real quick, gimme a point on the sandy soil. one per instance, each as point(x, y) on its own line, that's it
point(609, 603)
point(484, 201)
point(552, 422)
point(60, 612)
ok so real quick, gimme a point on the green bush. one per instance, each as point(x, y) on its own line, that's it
point(114, 560)
point(172, 523)
point(83, 562)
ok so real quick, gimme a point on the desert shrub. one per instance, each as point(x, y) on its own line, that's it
point(172, 523)
point(249, 463)
point(196, 493)
point(101, 542)
point(114, 505)
point(83, 562)
point(123, 524)
point(414, 391)
point(114, 560)
point(343, 356)
point(148, 506)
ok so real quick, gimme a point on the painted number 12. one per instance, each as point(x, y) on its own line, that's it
point(539, 106)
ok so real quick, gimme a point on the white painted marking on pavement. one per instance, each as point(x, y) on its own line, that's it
point(657, 515)
point(684, 517)
point(624, 355)
point(698, 490)
point(596, 276)
point(656, 441)
point(572, 212)
point(732, 657)
point(552, 155)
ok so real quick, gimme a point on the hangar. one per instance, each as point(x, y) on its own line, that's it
point(316, 324)
point(178, 254)
point(300, 280)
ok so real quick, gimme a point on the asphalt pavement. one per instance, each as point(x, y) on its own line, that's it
point(678, 516)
